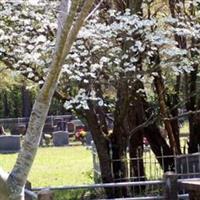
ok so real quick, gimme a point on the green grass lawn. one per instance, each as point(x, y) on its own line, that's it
point(185, 128)
point(53, 166)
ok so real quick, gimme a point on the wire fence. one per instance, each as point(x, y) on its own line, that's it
point(98, 191)
point(185, 165)
point(169, 190)
point(7, 122)
point(18, 126)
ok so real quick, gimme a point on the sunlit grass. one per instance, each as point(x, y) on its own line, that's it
point(185, 128)
point(53, 166)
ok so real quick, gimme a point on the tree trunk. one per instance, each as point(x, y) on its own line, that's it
point(119, 138)
point(194, 119)
point(160, 90)
point(6, 110)
point(102, 147)
point(159, 147)
point(26, 102)
point(67, 33)
point(119, 159)
point(135, 6)
point(194, 137)
point(137, 172)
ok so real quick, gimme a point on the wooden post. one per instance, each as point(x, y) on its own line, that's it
point(170, 186)
point(45, 195)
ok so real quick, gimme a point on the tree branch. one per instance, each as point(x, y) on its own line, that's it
point(148, 122)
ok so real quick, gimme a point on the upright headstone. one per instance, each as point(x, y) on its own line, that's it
point(18, 129)
point(60, 138)
point(10, 143)
point(49, 128)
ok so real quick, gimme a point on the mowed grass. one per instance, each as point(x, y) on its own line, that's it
point(185, 128)
point(53, 166)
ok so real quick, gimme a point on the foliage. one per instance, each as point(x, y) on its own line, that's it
point(98, 53)
point(98, 56)
point(24, 39)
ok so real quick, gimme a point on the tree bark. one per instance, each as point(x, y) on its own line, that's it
point(160, 90)
point(67, 33)
point(26, 102)
point(159, 147)
point(137, 172)
point(6, 109)
point(119, 159)
point(102, 146)
point(194, 119)
point(119, 138)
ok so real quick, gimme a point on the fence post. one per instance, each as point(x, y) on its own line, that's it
point(45, 195)
point(170, 186)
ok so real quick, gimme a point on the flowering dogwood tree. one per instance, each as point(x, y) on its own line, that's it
point(98, 57)
point(121, 59)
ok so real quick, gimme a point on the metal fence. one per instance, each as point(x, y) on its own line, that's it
point(169, 190)
point(7, 122)
point(17, 126)
point(185, 165)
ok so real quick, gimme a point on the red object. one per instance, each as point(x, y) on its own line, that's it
point(145, 141)
point(78, 132)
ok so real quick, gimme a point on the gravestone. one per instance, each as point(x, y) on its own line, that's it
point(49, 128)
point(9, 143)
point(60, 124)
point(60, 138)
point(18, 129)
point(70, 127)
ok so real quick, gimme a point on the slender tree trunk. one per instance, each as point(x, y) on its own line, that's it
point(194, 119)
point(181, 43)
point(120, 133)
point(26, 102)
point(6, 109)
point(136, 116)
point(172, 103)
point(159, 147)
point(194, 137)
point(135, 6)
point(160, 89)
point(119, 138)
point(119, 159)
point(137, 172)
point(102, 146)
point(14, 183)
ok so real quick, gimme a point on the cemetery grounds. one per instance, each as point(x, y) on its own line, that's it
point(66, 166)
